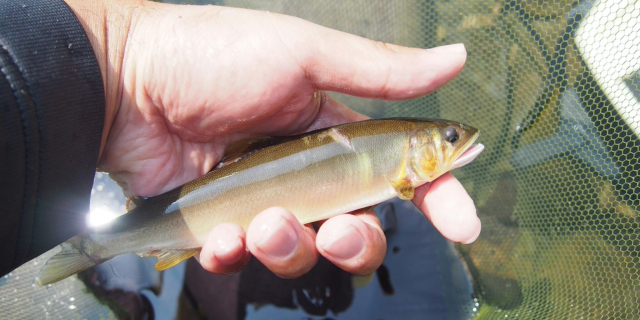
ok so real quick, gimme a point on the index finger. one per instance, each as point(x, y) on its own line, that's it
point(450, 208)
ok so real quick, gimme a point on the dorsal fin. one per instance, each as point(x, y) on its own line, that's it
point(242, 148)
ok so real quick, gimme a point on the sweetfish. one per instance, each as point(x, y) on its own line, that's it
point(315, 175)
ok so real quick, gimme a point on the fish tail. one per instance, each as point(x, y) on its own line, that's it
point(71, 260)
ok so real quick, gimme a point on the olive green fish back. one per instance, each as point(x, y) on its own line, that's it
point(553, 86)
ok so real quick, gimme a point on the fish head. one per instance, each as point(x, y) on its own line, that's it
point(438, 146)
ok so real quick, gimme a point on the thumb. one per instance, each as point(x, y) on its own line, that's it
point(338, 61)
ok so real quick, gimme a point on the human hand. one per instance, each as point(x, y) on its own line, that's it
point(182, 82)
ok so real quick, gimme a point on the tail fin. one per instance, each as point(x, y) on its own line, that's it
point(65, 263)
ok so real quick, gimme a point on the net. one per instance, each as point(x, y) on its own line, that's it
point(554, 88)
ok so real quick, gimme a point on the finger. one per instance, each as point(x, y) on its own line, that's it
point(354, 243)
point(224, 249)
point(450, 208)
point(338, 61)
point(281, 243)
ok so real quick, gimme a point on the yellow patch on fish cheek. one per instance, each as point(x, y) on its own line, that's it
point(430, 164)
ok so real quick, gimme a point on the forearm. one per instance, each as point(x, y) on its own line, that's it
point(108, 41)
point(52, 102)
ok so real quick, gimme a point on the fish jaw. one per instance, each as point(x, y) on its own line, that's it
point(468, 155)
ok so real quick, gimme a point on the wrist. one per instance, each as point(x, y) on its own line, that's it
point(107, 24)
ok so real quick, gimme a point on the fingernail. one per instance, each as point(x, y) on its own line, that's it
point(474, 238)
point(278, 240)
point(346, 243)
point(452, 48)
point(224, 249)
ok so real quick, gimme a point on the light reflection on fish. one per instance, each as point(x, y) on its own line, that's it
point(315, 175)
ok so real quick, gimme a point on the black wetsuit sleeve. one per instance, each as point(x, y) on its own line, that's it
point(51, 121)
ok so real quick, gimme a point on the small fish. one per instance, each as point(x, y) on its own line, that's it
point(315, 175)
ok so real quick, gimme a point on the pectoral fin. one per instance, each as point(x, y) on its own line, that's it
point(403, 188)
point(168, 259)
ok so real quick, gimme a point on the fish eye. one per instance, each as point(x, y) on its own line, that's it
point(451, 135)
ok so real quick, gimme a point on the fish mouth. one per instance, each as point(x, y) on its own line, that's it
point(470, 152)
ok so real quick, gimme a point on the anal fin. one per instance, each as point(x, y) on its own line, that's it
point(364, 210)
point(168, 259)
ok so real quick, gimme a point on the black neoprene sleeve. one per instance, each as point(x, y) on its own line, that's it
point(51, 121)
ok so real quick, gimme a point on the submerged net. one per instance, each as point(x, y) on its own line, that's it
point(554, 88)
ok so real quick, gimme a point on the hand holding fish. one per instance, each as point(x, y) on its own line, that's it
point(184, 82)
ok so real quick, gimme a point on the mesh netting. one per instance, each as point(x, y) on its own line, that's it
point(554, 87)
point(21, 298)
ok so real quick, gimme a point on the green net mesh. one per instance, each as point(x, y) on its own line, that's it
point(554, 87)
